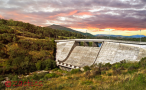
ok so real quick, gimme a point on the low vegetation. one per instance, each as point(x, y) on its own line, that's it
point(118, 76)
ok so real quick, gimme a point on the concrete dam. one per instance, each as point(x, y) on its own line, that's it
point(77, 53)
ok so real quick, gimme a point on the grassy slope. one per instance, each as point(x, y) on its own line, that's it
point(24, 38)
point(131, 77)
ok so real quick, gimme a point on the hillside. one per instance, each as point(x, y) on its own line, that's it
point(20, 42)
point(26, 48)
point(58, 27)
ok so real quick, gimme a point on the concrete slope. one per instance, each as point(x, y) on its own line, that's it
point(127, 52)
point(60, 47)
point(142, 53)
point(107, 52)
point(115, 52)
point(65, 51)
point(82, 56)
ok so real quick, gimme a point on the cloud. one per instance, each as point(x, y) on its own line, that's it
point(84, 13)
point(87, 14)
point(1, 16)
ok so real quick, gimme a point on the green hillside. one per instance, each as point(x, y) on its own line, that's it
point(23, 45)
point(26, 48)
point(58, 27)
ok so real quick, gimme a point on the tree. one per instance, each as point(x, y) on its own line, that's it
point(38, 65)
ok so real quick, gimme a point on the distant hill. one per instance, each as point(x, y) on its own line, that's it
point(133, 36)
point(58, 27)
point(138, 36)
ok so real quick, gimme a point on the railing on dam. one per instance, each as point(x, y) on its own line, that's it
point(101, 40)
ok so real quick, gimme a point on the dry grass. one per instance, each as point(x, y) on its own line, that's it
point(79, 81)
point(40, 54)
point(28, 38)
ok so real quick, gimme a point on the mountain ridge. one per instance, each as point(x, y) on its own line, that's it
point(59, 27)
point(132, 36)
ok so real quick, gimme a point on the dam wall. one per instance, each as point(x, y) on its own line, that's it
point(71, 55)
point(64, 50)
point(115, 52)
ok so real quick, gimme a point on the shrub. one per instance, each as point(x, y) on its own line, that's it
point(141, 78)
point(38, 65)
point(50, 75)
point(127, 65)
point(107, 65)
point(131, 71)
point(105, 68)
point(69, 77)
point(142, 62)
point(87, 82)
point(114, 68)
point(86, 68)
point(87, 74)
point(103, 72)
point(15, 78)
point(55, 69)
point(74, 71)
point(10, 76)
point(98, 77)
point(76, 78)
point(117, 71)
point(117, 65)
point(60, 87)
point(136, 66)
point(2, 86)
point(122, 68)
point(100, 64)
point(109, 74)
point(95, 72)
point(123, 61)
point(1, 70)
point(81, 43)
point(35, 77)
point(42, 74)
point(47, 68)
point(132, 67)
point(48, 64)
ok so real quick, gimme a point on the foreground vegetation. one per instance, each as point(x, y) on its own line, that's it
point(118, 76)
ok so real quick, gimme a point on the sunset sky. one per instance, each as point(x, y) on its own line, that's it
point(122, 17)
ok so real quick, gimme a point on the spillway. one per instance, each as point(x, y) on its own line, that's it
point(70, 54)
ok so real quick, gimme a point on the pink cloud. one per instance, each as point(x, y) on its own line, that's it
point(64, 14)
point(84, 13)
point(73, 12)
point(1, 16)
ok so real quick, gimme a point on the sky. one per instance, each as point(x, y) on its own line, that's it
point(117, 17)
